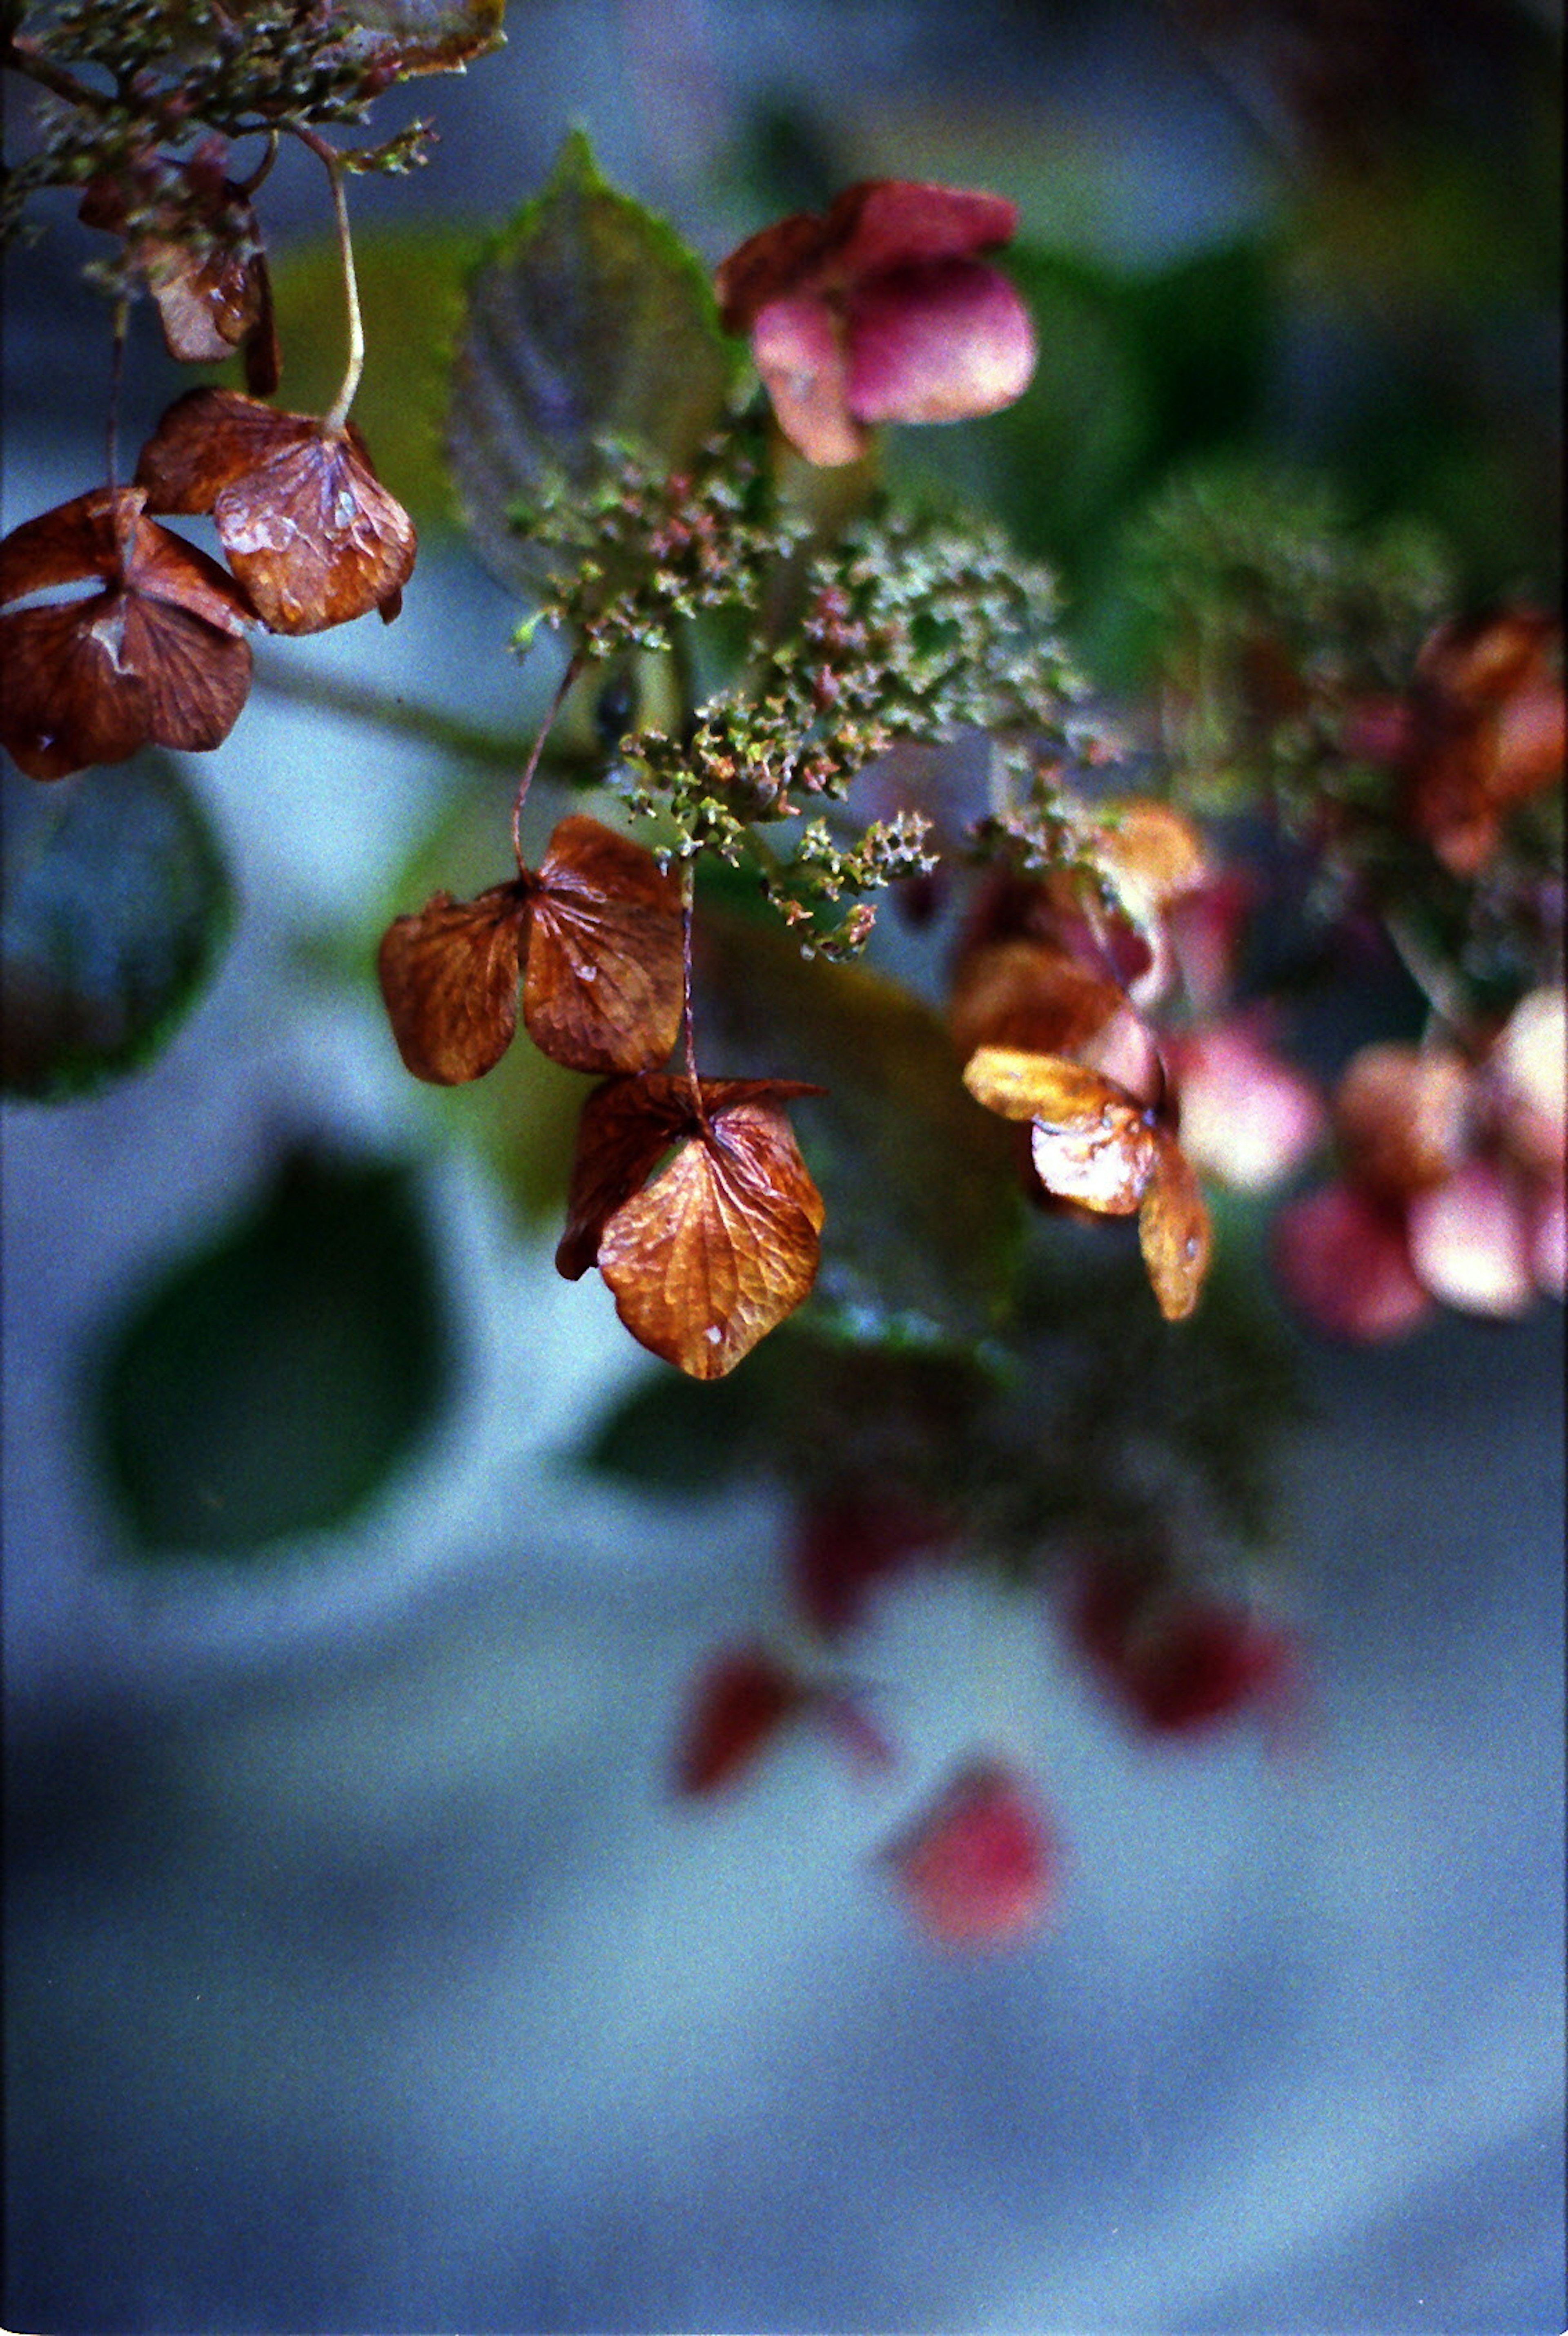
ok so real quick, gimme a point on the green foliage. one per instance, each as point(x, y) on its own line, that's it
point(114, 911)
point(270, 1384)
point(590, 332)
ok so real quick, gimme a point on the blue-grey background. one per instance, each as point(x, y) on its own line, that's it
point(361, 1973)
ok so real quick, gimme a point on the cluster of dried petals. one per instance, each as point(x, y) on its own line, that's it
point(1042, 1016)
point(1487, 731)
point(741, 1702)
point(724, 1244)
point(1450, 1184)
point(156, 655)
point(201, 255)
point(981, 1866)
point(1178, 1660)
point(307, 527)
point(880, 311)
point(593, 938)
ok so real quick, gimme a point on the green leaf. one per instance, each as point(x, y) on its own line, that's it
point(921, 1237)
point(113, 911)
point(590, 327)
point(270, 1384)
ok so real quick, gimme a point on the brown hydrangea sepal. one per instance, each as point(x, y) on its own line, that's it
point(722, 1245)
point(307, 527)
point(1488, 732)
point(593, 938)
point(1173, 1231)
point(604, 981)
point(1028, 994)
point(449, 977)
point(1093, 1142)
point(199, 251)
point(157, 657)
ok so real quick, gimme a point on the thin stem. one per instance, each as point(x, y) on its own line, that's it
point(575, 664)
point(116, 375)
point(337, 413)
point(246, 188)
point(688, 893)
point(24, 54)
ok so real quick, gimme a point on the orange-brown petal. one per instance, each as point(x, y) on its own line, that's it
point(1173, 1231)
point(603, 987)
point(720, 1247)
point(626, 1126)
point(449, 976)
point(1029, 995)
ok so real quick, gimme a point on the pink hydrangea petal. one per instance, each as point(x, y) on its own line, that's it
point(1248, 1117)
point(884, 223)
point(936, 342)
point(980, 1867)
point(1530, 1066)
point(1548, 1218)
point(1343, 1260)
point(1470, 1242)
point(798, 347)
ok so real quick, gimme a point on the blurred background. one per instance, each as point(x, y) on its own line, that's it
point(363, 1972)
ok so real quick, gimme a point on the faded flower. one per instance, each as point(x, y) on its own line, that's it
point(880, 311)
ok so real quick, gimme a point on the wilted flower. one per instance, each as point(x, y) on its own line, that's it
point(1485, 730)
point(306, 525)
point(158, 654)
point(723, 1244)
point(880, 312)
point(593, 938)
point(196, 244)
point(1450, 1188)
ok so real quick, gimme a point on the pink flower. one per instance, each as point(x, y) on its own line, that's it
point(979, 1867)
point(880, 312)
point(1451, 1187)
point(1180, 1662)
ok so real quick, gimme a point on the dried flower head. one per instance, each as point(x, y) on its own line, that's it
point(157, 654)
point(309, 528)
point(1094, 1142)
point(593, 938)
point(723, 1244)
point(880, 312)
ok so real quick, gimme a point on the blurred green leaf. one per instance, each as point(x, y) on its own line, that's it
point(924, 1215)
point(268, 1386)
point(589, 326)
point(114, 909)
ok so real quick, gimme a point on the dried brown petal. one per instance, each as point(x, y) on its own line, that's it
point(1029, 995)
point(604, 983)
point(309, 528)
point(1089, 1140)
point(626, 1127)
point(1173, 1231)
point(158, 656)
point(449, 976)
point(722, 1247)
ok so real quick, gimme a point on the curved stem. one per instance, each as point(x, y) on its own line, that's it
point(575, 664)
point(331, 160)
point(246, 188)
